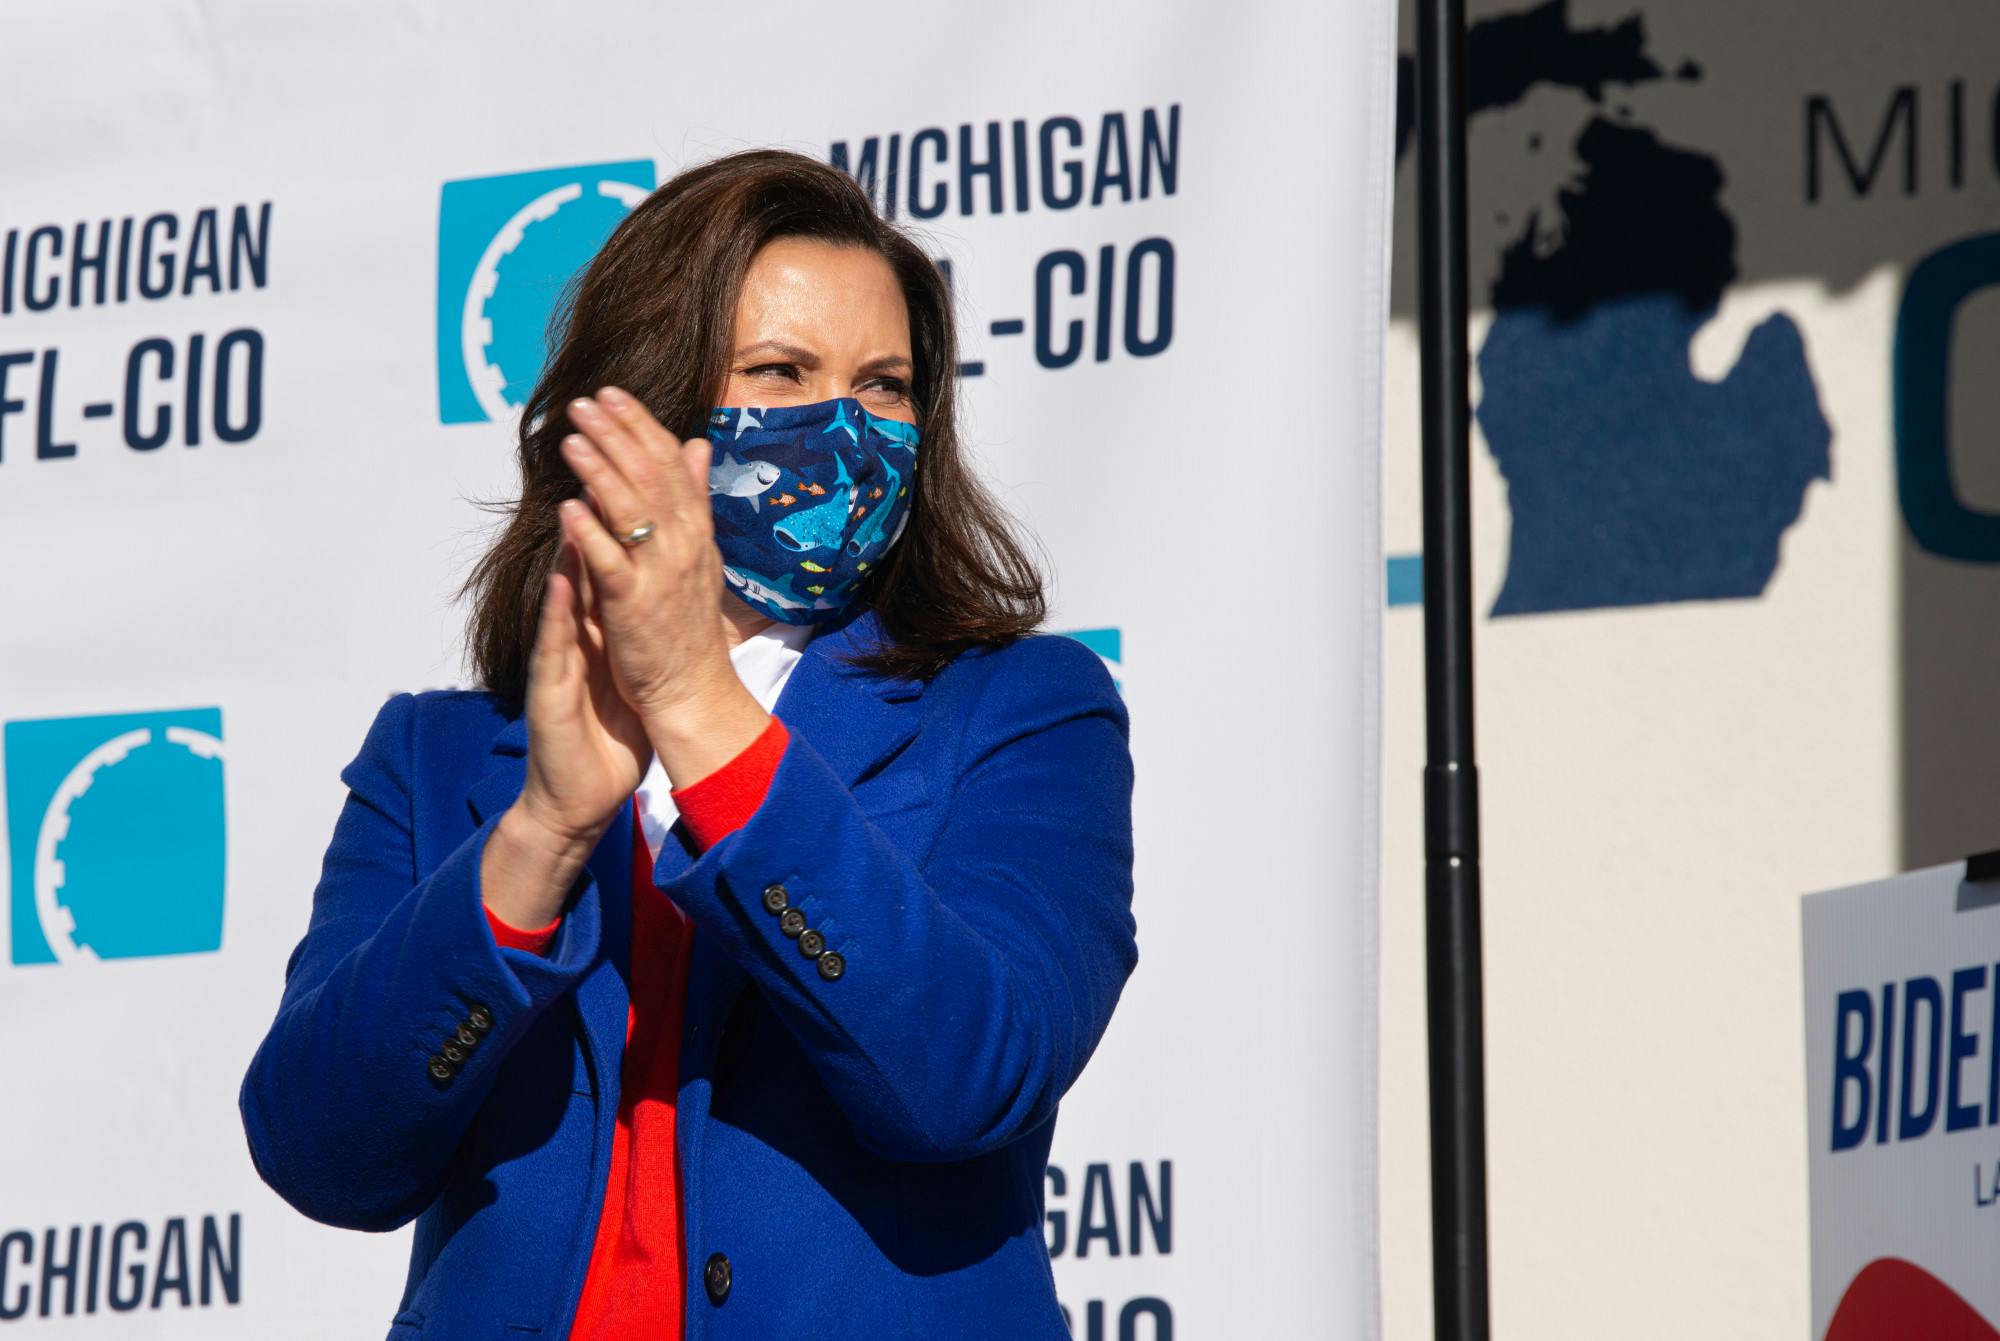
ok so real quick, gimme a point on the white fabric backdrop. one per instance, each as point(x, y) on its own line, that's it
point(233, 610)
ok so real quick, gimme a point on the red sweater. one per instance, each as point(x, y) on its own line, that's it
point(635, 1286)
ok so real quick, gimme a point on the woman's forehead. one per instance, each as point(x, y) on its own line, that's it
point(804, 292)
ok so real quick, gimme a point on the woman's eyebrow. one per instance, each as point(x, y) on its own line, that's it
point(887, 363)
point(779, 347)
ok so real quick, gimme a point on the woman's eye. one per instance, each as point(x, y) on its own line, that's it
point(787, 370)
point(893, 387)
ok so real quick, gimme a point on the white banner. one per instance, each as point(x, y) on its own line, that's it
point(272, 283)
point(1903, 1096)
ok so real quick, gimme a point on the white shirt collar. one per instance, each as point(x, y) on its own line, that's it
point(764, 660)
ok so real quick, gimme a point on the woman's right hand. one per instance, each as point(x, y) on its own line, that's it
point(587, 752)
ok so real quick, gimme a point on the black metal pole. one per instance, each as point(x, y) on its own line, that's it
point(1451, 782)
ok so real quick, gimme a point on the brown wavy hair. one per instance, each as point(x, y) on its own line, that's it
point(655, 313)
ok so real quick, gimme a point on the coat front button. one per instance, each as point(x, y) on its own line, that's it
point(811, 943)
point(715, 1278)
point(832, 965)
point(776, 900)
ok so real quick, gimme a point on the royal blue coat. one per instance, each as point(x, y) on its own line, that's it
point(867, 1152)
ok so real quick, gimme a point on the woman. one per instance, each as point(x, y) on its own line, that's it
point(717, 970)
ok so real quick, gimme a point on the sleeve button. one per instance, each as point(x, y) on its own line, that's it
point(793, 922)
point(776, 900)
point(451, 1052)
point(715, 1278)
point(811, 943)
point(832, 965)
point(479, 1018)
point(440, 1069)
point(467, 1036)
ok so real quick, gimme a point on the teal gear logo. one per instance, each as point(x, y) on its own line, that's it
point(506, 247)
point(116, 836)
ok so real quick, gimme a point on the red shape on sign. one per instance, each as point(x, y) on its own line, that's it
point(1890, 1300)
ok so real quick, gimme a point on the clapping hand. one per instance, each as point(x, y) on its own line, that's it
point(656, 599)
point(631, 657)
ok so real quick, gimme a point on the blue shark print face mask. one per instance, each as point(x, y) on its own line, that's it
point(807, 500)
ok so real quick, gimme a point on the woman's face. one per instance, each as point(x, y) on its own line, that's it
point(817, 322)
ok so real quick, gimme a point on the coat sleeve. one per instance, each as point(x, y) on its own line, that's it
point(975, 983)
point(342, 1113)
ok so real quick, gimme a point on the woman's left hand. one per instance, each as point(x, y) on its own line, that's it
point(658, 602)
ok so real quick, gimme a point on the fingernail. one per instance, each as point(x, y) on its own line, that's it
point(577, 443)
point(583, 406)
point(613, 397)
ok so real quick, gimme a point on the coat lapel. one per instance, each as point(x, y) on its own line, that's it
point(847, 713)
